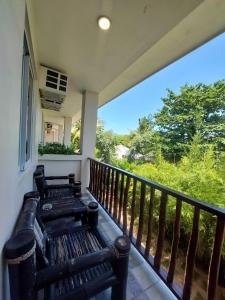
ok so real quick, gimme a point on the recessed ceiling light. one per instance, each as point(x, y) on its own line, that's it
point(104, 23)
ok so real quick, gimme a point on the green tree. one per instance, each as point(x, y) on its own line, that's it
point(105, 144)
point(122, 139)
point(75, 136)
point(198, 109)
point(143, 141)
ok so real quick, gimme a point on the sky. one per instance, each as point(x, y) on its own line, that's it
point(205, 64)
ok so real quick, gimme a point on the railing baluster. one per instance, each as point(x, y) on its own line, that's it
point(161, 231)
point(175, 243)
point(99, 182)
point(133, 204)
point(96, 179)
point(125, 204)
point(103, 185)
point(150, 219)
point(92, 181)
point(107, 188)
point(190, 261)
point(215, 259)
point(121, 197)
point(111, 193)
point(91, 176)
point(115, 204)
point(141, 215)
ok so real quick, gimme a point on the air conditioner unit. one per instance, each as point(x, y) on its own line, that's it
point(53, 88)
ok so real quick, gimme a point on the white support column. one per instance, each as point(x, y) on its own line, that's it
point(88, 133)
point(67, 130)
point(42, 129)
point(60, 134)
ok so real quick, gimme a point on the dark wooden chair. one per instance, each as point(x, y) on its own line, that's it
point(72, 263)
point(45, 189)
point(58, 200)
point(60, 206)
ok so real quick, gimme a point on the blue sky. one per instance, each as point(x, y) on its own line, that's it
point(206, 64)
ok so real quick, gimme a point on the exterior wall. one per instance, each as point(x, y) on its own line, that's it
point(52, 119)
point(55, 135)
point(57, 164)
point(13, 182)
point(59, 121)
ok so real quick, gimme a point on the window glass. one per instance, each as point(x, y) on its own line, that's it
point(26, 108)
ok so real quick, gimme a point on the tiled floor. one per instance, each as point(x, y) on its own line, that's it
point(143, 283)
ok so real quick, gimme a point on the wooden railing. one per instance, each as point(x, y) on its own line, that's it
point(126, 198)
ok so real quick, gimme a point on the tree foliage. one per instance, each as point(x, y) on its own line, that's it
point(142, 146)
point(75, 136)
point(105, 144)
point(122, 139)
point(197, 109)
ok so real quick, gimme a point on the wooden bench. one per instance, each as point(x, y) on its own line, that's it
point(58, 200)
point(72, 262)
point(71, 188)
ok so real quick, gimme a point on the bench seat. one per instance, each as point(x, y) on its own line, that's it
point(73, 245)
point(66, 263)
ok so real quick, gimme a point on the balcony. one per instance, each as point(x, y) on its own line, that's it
point(123, 196)
point(96, 66)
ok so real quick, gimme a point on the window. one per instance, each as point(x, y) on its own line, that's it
point(26, 108)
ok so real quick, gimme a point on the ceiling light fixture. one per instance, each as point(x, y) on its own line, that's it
point(104, 23)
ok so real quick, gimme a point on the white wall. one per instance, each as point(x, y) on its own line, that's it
point(13, 183)
point(57, 165)
point(51, 117)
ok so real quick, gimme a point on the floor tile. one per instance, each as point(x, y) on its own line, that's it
point(159, 291)
point(146, 278)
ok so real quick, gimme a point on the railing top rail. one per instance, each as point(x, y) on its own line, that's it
point(178, 195)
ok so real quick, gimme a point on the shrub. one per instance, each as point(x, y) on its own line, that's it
point(54, 148)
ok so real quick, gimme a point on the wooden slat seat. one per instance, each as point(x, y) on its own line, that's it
point(73, 245)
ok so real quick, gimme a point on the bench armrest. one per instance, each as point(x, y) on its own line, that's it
point(73, 266)
point(59, 186)
point(56, 177)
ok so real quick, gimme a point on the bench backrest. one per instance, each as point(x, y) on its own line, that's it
point(20, 252)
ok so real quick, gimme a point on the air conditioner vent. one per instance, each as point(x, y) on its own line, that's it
point(51, 79)
point(51, 85)
point(52, 73)
point(53, 88)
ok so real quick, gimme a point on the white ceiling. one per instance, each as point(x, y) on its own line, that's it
point(69, 40)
